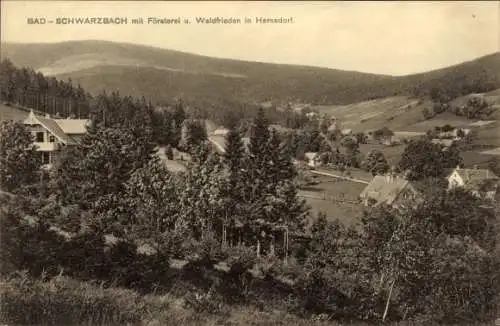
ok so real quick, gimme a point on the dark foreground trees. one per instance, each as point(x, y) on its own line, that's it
point(19, 160)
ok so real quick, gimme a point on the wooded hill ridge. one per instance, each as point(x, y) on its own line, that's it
point(203, 81)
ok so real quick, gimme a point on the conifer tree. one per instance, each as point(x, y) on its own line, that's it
point(259, 150)
point(272, 166)
point(233, 157)
point(259, 137)
point(287, 170)
point(202, 198)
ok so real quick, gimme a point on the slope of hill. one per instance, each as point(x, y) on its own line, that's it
point(162, 74)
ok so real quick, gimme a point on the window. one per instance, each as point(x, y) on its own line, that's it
point(45, 158)
point(52, 139)
point(39, 137)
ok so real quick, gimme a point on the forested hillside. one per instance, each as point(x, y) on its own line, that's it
point(160, 75)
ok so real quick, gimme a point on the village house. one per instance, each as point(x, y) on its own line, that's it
point(311, 115)
point(481, 182)
point(346, 132)
point(312, 159)
point(456, 133)
point(404, 136)
point(334, 126)
point(50, 135)
point(221, 132)
point(445, 142)
point(390, 189)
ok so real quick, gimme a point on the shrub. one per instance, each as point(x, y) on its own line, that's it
point(62, 301)
point(205, 303)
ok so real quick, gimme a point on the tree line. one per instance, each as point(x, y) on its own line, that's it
point(29, 88)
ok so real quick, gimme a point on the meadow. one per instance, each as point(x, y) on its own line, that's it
point(392, 153)
point(334, 197)
point(62, 301)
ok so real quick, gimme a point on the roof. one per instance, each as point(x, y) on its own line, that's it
point(332, 127)
point(51, 126)
point(12, 113)
point(73, 126)
point(172, 165)
point(475, 176)
point(310, 155)
point(222, 131)
point(54, 128)
point(220, 142)
point(445, 142)
point(384, 188)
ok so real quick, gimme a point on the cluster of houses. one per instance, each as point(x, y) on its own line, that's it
point(449, 137)
point(51, 135)
point(395, 190)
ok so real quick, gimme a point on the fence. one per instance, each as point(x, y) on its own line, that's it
point(336, 199)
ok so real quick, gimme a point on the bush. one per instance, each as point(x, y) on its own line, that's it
point(205, 303)
point(28, 244)
point(62, 301)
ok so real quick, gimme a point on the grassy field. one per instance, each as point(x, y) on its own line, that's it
point(395, 112)
point(64, 301)
point(334, 197)
point(472, 158)
point(352, 173)
point(495, 151)
point(11, 113)
point(439, 121)
point(392, 153)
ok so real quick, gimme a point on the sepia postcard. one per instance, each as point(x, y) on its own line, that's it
point(250, 163)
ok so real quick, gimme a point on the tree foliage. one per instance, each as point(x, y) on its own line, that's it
point(375, 163)
point(19, 160)
point(423, 159)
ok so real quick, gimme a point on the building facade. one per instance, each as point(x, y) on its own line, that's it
point(390, 189)
point(481, 182)
point(51, 135)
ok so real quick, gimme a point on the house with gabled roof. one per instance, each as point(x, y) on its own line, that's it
point(481, 182)
point(50, 135)
point(390, 189)
point(312, 159)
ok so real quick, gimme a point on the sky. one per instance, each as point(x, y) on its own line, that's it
point(395, 38)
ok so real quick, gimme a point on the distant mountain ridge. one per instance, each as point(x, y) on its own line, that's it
point(161, 75)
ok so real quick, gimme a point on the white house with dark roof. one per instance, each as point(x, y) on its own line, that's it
point(50, 135)
point(481, 182)
point(388, 189)
point(312, 159)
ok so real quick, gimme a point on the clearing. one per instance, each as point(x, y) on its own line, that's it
point(495, 151)
point(337, 198)
point(392, 153)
